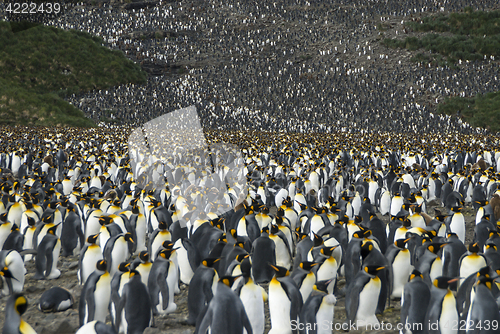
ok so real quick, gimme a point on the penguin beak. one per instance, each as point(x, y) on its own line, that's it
point(454, 279)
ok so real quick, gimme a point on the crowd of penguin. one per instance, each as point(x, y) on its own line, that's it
point(302, 66)
point(379, 213)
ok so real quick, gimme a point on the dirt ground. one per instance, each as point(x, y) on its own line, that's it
point(67, 322)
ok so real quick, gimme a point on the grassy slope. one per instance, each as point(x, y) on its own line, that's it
point(476, 35)
point(40, 64)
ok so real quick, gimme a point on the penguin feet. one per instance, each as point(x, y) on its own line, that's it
point(54, 274)
point(171, 308)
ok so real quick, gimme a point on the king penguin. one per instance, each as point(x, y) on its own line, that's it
point(201, 289)
point(399, 257)
point(17, 304)
point(95, 295)
point(13, 273)
point(285, 302)
point(226, 313)
point(442, 311)
point(134, 312)
point(414, 303)
point(163, 278)
point(96, 327)
point(253, 297)
point(90, 254)
point(317, 313)
point(362, 297)
point(48, 255)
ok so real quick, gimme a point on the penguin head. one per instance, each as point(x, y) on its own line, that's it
point(322, 286)
point(128, 237)
point(92, 239)
point(134, 273)
point(317, 240)
point(490, 244)
point(372, 270)
point(456, 209)
point(20, 303)
point(306, 265)
point(5, 272)
point(246, 267)
point(487, 281)
point(228, 280)
point(31, 221)
point(241, 257)
point(105, 220)
point(49, 219)
point(435, 247)
point(401, 243)
point(474, 248)
point(144, 256)
point(167, 244)
point(327, 251)
point(124, 267)
point(209, 262)
point(53, 229)
point(166, 253)
point(280, 271)
point(443, 282)
point(274, 229)
point(101, 265)
point(414, 274)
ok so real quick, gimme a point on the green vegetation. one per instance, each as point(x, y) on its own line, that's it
point(476, 35)
point(479, 111)
point(459, 36)
point(40, 65)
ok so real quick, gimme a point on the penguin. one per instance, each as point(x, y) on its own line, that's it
point(483, 310)
point(385, 203)
point(263, 253)
point(253, 297)
point(327, 267)
point(305, 278)
point(13, 273)
point(143, 266)
point(16, 305)
point(317, 313)
point(442, 311)
point(118, 281)
point(414, 303)
point(96, 327)
point(48, 255)
point(457, 223)
point(285, 301)
point(202, 288)
point(134, 312)
point(71, 234)
point(189, 259)
point(225, 313)
point(95, 295)
point(362, 297)
point(117, 250)
point(452, 252)
point(399, 258)
point(55, 299)
point(157, 238)
point(471, 262)
point(282, 248)
point(90, 254)
point(162, 280)
point(28, 233)
point(15, 240)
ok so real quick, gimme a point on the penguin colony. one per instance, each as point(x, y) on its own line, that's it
point(367, 220)
point(298, 66)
